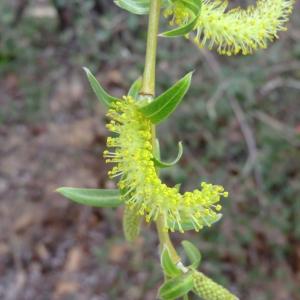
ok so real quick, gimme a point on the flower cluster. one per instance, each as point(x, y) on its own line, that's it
point(209, 290)
point(237, 30)
point(142, 190)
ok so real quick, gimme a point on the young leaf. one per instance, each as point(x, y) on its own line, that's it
point(192, 253)
point(167, 264)
point(131, 224)
point(138, 7)
point(156, 151)
point(176, 287)
point(101, 94)
point(212, 220)
point(161, 107)
point(161, 164)
point(182, 30)
point(92, 197)
point(135, 88)
point(187, 224)
point(195, 7)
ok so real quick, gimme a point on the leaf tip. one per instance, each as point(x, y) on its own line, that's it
point(191, 73)
point(61, 190)
point(86, 70)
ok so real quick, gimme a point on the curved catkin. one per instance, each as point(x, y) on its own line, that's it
point(131, 224)
point(143, 190)
point(237, 30)
point(209, 290)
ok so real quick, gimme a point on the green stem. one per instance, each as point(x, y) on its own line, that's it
point(165, 240)
point(148, 86)
point(148, 89)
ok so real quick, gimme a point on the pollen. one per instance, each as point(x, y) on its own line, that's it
point(141, 188)
point(234, 31)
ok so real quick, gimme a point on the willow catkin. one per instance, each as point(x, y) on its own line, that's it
point(233, 31)
point(207, 289)
point(145, 193)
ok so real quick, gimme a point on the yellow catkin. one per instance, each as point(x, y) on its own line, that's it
point(236, 30)
point(209, 290)
point(144, 192)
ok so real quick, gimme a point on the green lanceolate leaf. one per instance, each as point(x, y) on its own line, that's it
point(176, 287)
point(195, 7)
point(101, 94)
point(192, 253)
point(138, 7)
point(161, 164)
point(168, 265)
point(162, 107)
point(180, 31)
point(92, 197)
point(156, 151)
point(187, 224)
point(135, 88)
point(212, 220)
point(131, 224)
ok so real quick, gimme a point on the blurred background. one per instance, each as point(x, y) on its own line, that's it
point(240, 125)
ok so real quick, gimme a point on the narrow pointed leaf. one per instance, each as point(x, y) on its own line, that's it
point(131, 224)
point(182, 30)
point(161, 164)
point(187, 224)
point(212, 220)
point(101, 94)
point(157, 149)
point(195, 7)
point(138, 7)
point(92, 197)
point(167, 264)
point(192, 253)
point(176, 287)
point(162, 107)
point(135, 88)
